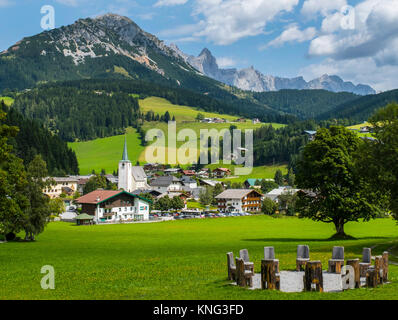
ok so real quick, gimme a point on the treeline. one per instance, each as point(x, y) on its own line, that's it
point(304, 104)
point(33, 139)
point(79, 114)
point(362, 108)
point(225, 102)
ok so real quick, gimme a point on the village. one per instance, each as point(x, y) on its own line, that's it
point(139, 194)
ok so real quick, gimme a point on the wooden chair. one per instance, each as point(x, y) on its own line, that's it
point(337, 260)
point(244, 254)
point(231, 266)
point(303, 256)
point(366, 261)
point(244, 277)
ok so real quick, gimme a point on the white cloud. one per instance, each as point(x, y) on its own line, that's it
point(168, 3)
point(366, 53)
point(293, 34)
point(313, 7)
point(226, 62)
point(227, 21)
point(375, 29)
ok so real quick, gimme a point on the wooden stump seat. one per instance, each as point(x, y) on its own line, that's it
point(244, 278)
point(313, 278)
point(303, 256)
point(337, 260)
point(231, 266)
point(244, 254)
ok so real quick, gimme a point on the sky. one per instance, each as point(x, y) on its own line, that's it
point(354, 39)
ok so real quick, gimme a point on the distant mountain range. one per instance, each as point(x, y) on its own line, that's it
point(114, 47)
point(253, 80)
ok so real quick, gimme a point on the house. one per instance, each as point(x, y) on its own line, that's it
point(63, 185)
point(109, 205)
point(188, 183)
point(311, 134)
point(365, 129)
point(251, 183)
point(241, 120)
point(274, 194)
point(239, 200)
point(189, 173)
point(211, 183)
point(221, 172)
point(166, 184)
point(256, 121)
point(172, 170)
point(112, 179)
point(130, 177)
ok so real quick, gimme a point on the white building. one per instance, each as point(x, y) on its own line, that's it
point(167, 184)
point(114, 206)
point(131, 177)
point(274, 194)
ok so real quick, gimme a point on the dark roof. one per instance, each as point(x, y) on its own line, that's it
point(164, 181)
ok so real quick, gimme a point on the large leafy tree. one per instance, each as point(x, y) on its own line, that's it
point(380, 156)
point(40, 207)
point(12, 183)
point(334, 191)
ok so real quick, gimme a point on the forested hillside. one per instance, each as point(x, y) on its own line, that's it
point(281, 145)
point(305, 104)
point(362, 108)
point(81, 114)
point(33, 139)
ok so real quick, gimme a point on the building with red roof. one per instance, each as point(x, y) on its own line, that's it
point(110, 205)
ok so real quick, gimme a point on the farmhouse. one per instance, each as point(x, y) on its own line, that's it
point(221, 172)
point(239, 200)
point(109, 205)
point(274, 194)
point(167, 184)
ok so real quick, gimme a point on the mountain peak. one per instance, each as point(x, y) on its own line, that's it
point(205, 52)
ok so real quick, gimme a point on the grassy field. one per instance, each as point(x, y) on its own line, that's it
point(7, 100)
point(262, 172)
point(105, 153)
point(178, 259)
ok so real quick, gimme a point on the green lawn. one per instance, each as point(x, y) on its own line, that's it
point(178, 259)
point(105, 153)
point(7, 100)
point(181, 113)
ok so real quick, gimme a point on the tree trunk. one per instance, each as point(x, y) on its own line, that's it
point(339, 224)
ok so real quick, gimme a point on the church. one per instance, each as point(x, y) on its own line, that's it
point(131, 178)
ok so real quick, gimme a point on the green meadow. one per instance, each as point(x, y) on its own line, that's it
point(179, 259)
point(105, 153)
point(260, 172)
point(7, 100)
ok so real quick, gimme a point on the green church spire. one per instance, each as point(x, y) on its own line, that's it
point(125, 154)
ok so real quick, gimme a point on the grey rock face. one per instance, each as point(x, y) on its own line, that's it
point(253, 80)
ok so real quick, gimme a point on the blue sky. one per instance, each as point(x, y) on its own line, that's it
point(280, 37)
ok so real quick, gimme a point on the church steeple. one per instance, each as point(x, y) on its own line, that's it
point(125, 154)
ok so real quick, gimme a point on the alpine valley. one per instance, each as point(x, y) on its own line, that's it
point(82, 82)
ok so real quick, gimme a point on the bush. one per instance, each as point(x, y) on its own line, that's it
point(269, 207)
